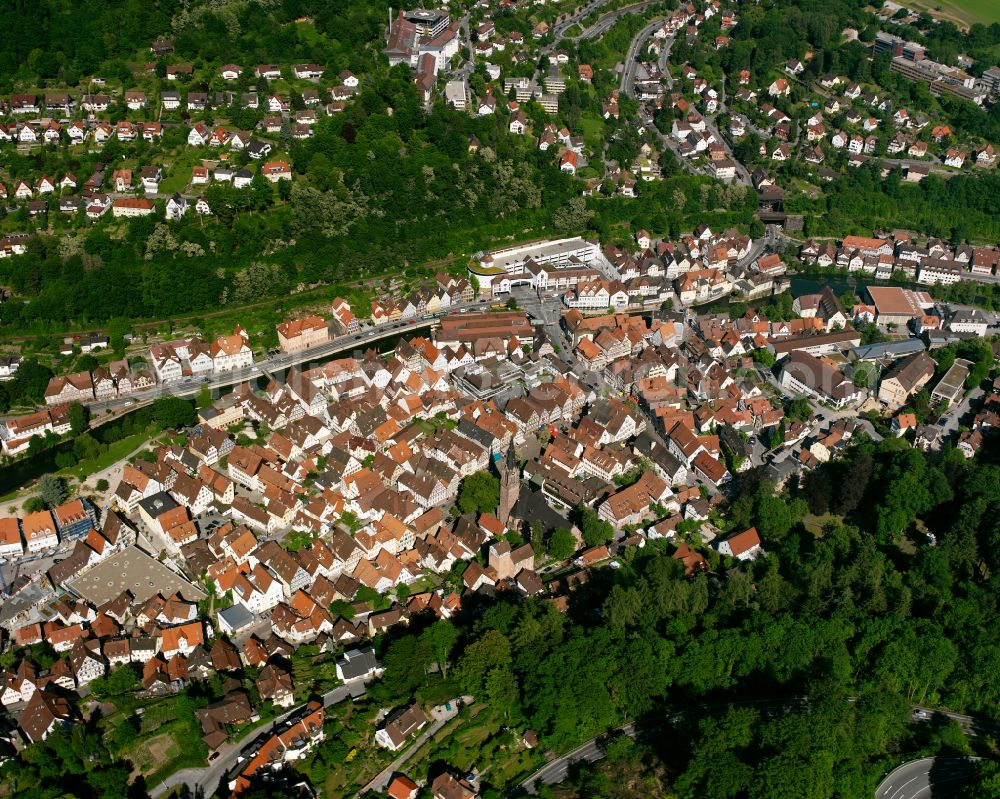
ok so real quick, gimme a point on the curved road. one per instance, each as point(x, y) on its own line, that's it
point(627, 85)
point(563, 25)
point(610, 18)
point(918, 778)
point(927, 777)
point(555, 771)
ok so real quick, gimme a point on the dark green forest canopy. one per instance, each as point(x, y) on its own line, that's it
point(847, 613)
point(70, 40)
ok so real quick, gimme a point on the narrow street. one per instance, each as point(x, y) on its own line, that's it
point(441, 714)
point(205, 781)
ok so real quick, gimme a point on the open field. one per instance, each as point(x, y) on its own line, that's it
point(961, 12)
point(148, 755)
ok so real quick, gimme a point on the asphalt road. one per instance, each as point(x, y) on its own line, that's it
point(925, 778)
point(274, 363)
point(559, 30)
point(555, 771)
point(631, 63)
point(609, 19)
point(915, 783)
point(742, 175)
point(627, 87)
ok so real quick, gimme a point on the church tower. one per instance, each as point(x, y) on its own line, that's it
point(510, 484)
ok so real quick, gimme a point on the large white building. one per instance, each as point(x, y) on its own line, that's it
point(935, 271)
point(456, 93)
point(967, 320)
point(232, 352)
point(538, 265)
point(130, 207)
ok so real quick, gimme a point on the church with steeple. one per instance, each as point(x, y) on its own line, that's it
point(510, 484)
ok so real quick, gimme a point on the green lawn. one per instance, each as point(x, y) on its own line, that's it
point(178, 177)
point(183, 749)
point(308, 32)
point(427, 582)
point(592, 126)
point(960, 11)
point(114, 453)
point(166, 743)
point(815, 524)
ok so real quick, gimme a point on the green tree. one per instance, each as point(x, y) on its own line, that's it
point(595, 530)
point(204, 398)
point(490, 652)
point(764, 357)
point(86, 363)
point(562, 544)
point(52, 490)
point(169, 412)
point(479, 493)
point(77, 418)
point(406, 661)
point(33, 505)
point(440, 639)
point(799, 408)
point(538, 538)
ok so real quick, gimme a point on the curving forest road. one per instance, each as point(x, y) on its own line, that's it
point(925, 778)
point(928, 778)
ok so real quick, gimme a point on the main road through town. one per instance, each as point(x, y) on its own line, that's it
point(276, 362)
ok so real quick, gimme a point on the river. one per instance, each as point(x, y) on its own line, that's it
point(813, 284)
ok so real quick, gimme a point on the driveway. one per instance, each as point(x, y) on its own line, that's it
point(951, 419)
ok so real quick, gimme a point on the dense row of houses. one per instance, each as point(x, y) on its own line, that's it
point(930, 262)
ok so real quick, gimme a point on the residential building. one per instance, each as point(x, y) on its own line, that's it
point(742, 546)
point(904, 378)
point(802, 373)
point(399, 726)
point(300, 334)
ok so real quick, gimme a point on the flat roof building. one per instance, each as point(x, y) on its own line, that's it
point(951, 387)
point(888, 350)
point(897, 306)
point(455, 92)
point(428, 21)
point(134, 571)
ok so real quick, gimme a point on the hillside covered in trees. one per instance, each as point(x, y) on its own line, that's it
point(67, 42)
point(383, 190)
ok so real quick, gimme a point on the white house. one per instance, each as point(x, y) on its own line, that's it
point(742, 546)
point(232, 352)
